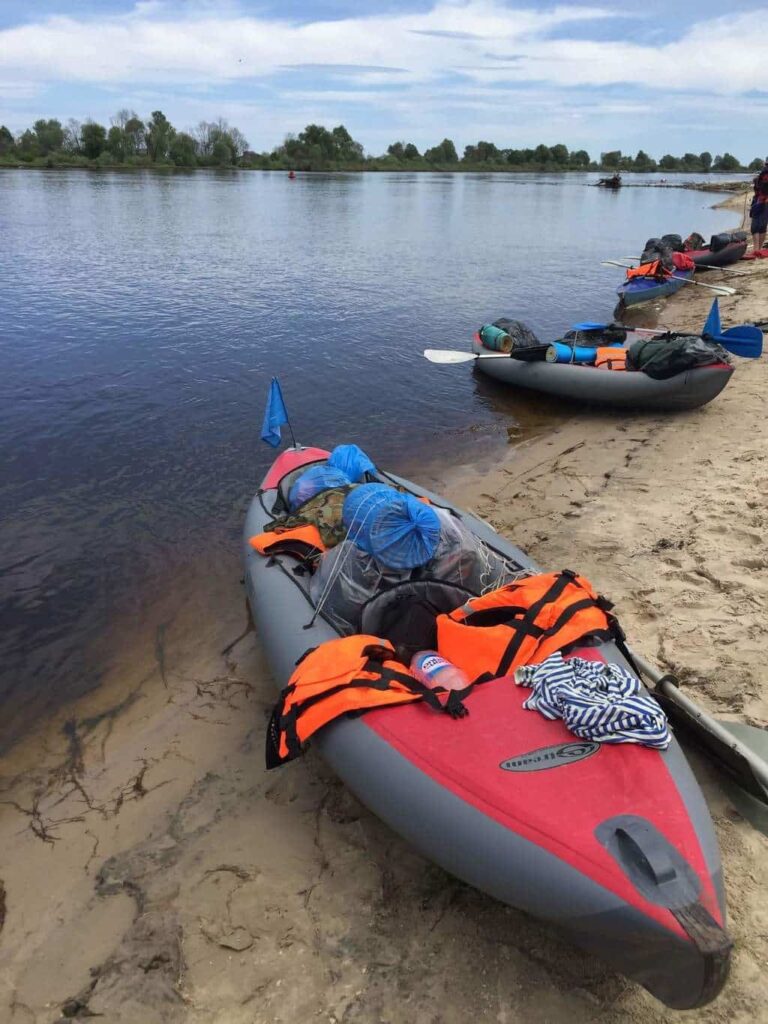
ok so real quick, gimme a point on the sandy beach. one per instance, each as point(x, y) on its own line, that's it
point(153, 871)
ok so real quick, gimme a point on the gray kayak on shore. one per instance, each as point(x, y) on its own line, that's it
point(628, 389)
point(613, 844)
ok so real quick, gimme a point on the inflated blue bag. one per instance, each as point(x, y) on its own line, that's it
point(396, 529)
point(352, 460)
point(314, 480)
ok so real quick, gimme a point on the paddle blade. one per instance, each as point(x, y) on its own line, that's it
point(588, 325)
point(712, 325)
point(745, 341)
point(446, 356)
point(728, 757)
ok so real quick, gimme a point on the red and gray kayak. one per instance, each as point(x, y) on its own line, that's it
point(705, 259)
point(613, 844)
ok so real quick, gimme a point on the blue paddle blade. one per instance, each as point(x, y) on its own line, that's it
point(745, 341)
point(588, 325)
point(713, 325)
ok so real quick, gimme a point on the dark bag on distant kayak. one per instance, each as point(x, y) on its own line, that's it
point(522, 336)
point(673, 242)
point(694, 242)
point(719, 241)
point(596, 337)
point(662, 358)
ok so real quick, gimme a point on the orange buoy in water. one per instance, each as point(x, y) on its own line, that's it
point(291, 175)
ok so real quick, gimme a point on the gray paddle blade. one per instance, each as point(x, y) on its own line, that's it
point(748, 806)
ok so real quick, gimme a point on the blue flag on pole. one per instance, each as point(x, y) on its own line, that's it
point(712, 327)
point(275, 415)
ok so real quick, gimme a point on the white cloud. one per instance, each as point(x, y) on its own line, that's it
point(204, 41)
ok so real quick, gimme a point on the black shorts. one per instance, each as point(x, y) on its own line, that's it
point(760, 219)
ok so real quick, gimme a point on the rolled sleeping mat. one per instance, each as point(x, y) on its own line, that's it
point(495, 338)
point(560, 353)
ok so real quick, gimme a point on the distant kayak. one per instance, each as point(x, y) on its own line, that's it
point(731, 253)
point(646, 289)
point(620, 388)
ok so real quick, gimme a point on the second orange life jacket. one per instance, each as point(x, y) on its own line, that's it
point(351, 674)
point(302, 541)
point(523, 624)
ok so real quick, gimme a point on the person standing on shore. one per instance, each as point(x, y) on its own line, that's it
point(758, 211)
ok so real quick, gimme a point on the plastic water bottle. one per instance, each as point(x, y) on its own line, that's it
point(433, 670)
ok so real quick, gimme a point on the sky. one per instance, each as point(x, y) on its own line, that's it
point(660, 75)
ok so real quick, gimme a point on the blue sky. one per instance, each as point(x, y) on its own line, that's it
point(657, 75)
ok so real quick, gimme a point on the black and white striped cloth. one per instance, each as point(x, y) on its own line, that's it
point(595, 700)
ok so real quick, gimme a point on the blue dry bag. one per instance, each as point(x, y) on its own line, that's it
point(351, 460)
point(314, 480)
point(396, 529)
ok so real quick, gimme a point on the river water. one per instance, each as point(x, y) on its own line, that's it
point(142, 316)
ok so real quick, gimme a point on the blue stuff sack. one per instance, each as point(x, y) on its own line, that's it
point(352, 460)
point(314, 480)
point(394, 528)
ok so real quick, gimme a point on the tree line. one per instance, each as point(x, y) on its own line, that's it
point(129, 141)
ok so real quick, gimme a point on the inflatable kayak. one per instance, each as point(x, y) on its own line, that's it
point(625, 389)
point(646, 289)
point(613, 844)
point(731, 253)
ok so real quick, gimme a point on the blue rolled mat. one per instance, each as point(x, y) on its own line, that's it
point(558, 352)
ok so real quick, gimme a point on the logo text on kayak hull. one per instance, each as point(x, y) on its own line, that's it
point(550, 757)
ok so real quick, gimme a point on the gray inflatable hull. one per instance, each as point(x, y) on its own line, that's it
point(460, 836)
point(626, 390)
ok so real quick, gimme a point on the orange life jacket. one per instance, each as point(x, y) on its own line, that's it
point(611, 358)
point(304, 541)
point(653, 269)
point(353, 673)
point(522, 624)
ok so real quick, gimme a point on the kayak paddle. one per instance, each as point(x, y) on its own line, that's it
point(745, 340)
point(739, 749)
point(446, 355)
point(719, 289)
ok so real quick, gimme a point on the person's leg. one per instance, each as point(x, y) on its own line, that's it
point(761, 240)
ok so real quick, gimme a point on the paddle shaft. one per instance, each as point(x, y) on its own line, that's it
point(673, 693)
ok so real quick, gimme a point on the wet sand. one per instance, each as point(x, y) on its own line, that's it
point(153, 871)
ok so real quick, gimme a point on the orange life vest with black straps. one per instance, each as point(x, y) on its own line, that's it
point(523, 623)
point(653, 269)
point(303, 541)
point(351, 674)
point(611, 358)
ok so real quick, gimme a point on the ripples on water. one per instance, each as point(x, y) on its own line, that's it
point(141, 317)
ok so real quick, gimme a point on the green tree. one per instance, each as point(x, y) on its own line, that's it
point(7, 142)
point(542, 154)
point(705, 159)
point(756, 165)
point(611, 160)
point(28, 146)
point(159, 133)
point(559, 155)
point(182, 150)
point(93, 139)
point(445, 153)
point(643, 162)
point(411, 152)
point(50, 135)
point(135, 136)
point(580, 159)
point(116, 146)
point(690, 162)
point(397, 150)
point(669, 163)
point(726, 162)
point(347, 150)
point(73, 141)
